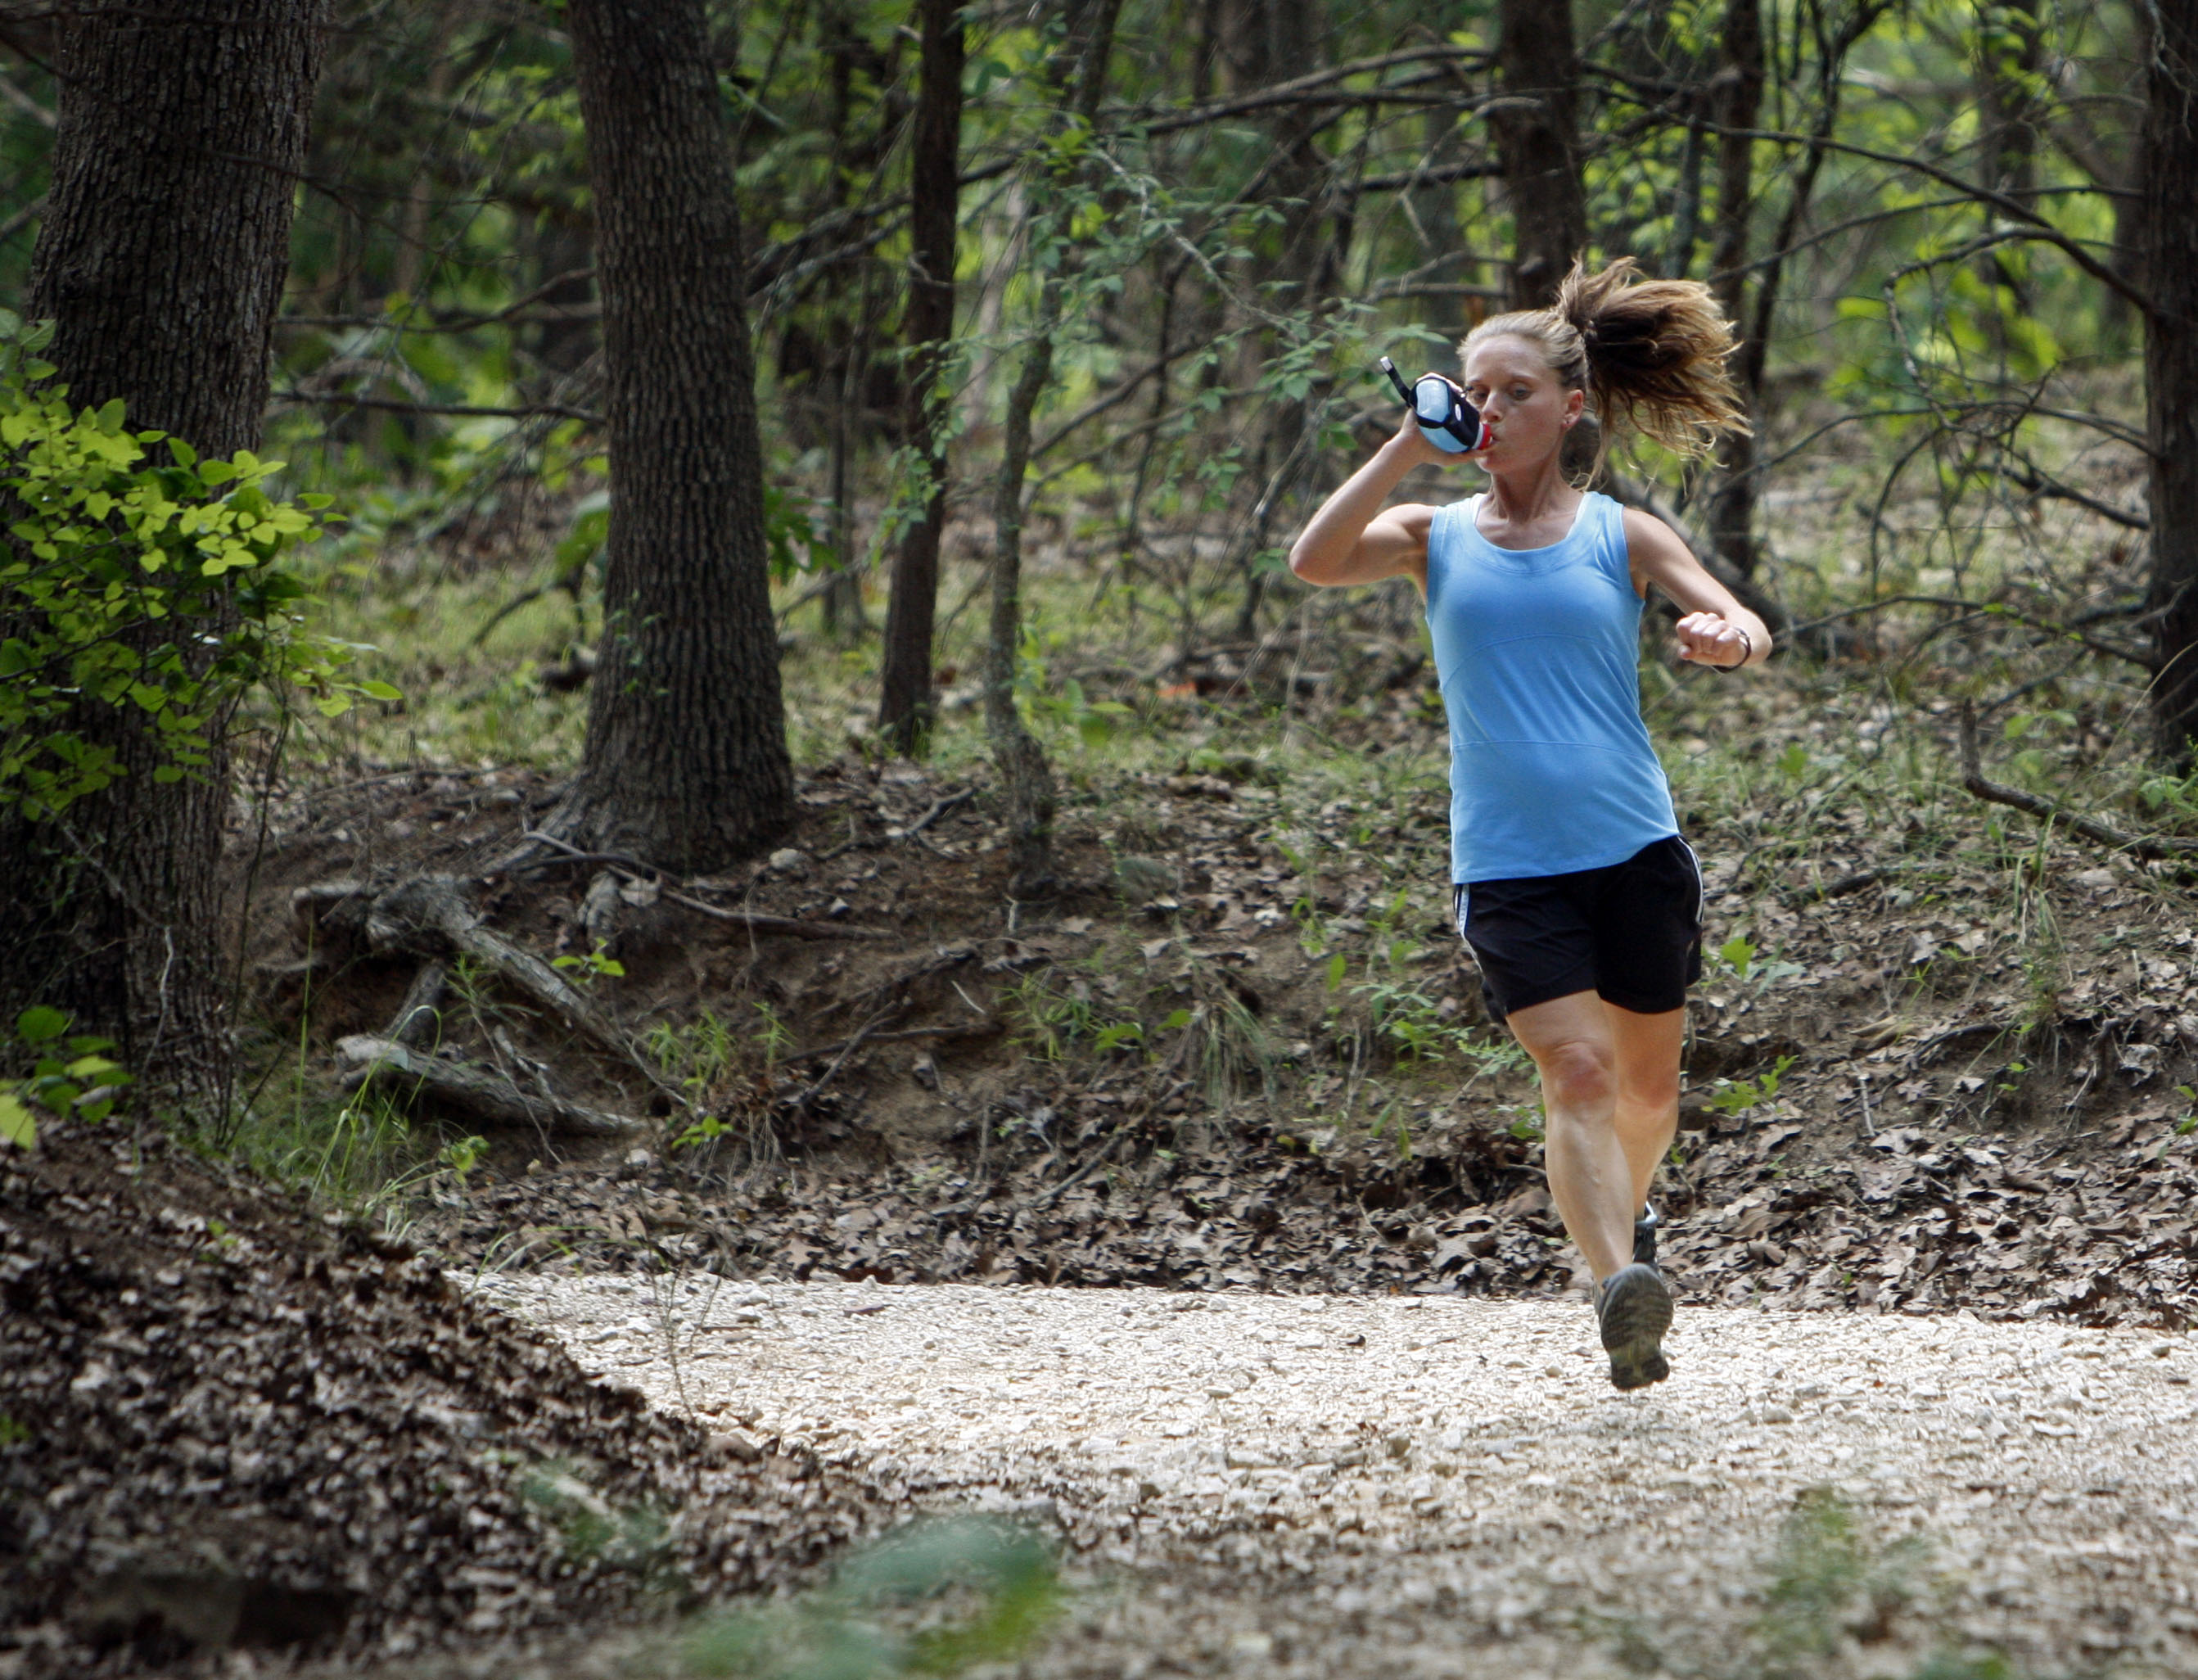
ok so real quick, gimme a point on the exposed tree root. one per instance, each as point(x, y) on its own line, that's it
point(430, 916)
point(472, 1090)
point(633, 868)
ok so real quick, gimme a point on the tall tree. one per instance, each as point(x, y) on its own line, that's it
point(2169, 185)
point(1536, 128)
point(685, 761)
point(905, 705)
point(1263, 42)
point(1079, 63)
point(1737, 95)
point(2009, 50)
point(182, 129)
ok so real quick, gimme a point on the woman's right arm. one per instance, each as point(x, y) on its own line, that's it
point(1353, 539)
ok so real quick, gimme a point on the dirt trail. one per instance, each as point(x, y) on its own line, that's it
point(1323, 1487)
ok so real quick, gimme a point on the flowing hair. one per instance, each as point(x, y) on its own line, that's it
point(1652, 353)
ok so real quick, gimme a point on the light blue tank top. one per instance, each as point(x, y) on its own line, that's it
point(1538, 651)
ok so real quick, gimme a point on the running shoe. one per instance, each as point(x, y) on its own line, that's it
point(1644, 1236)
point(1634, 1309)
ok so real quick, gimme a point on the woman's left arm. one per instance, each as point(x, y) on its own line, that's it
point(1714, 628)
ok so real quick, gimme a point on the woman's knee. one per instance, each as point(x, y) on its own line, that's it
point(1578, 1073)
point(1651, 1089)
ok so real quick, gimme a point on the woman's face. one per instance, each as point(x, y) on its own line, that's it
point(1527, 410)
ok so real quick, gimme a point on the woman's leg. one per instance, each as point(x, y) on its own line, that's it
point(1647, 1113)
point(1610, 1086)
point(1575, 1042)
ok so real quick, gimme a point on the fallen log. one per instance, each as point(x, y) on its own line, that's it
point(471, 1089)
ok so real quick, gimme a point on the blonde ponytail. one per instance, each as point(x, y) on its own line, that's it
point(1653, 352)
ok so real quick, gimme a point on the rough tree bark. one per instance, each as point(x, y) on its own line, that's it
point(685, 761)
point(182, 128)
point(1537, 129)
point(1737, 94)
point(905, 708)
point(2170, 188)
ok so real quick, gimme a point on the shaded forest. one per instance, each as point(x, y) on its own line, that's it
point(652, 638)
point(929, 287)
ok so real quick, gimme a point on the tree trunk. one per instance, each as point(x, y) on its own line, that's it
point(1268, 42)
point(1538, 146)
point(1738, 91)
point(1025, 777)
point(906, 709)
point(685, 763)
point(2009, 48)
point(183, 129)
point(2170, 188)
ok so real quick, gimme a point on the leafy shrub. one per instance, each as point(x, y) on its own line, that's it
point(983, 1592)
point(136, 577)
point(68, 1076)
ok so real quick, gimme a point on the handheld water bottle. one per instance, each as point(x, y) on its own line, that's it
point(1445, 418)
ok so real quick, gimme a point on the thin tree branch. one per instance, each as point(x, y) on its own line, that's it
point(391, 404)
point(2151, 846)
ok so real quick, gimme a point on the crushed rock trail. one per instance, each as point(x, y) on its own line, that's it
point(1323, 1485)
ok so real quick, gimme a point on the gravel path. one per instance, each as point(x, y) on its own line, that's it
point(1325, 1486)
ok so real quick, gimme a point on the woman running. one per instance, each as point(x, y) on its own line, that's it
point(1582, 904)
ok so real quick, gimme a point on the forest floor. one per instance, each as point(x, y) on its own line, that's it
point(1938, 1097)
point(1939, 1134)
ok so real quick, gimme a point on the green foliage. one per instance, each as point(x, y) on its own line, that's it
point(638, 1539)
point(12, 1432)
point(1737, 956)
point(141, 578)
point(1051, 1018)
point(1737, 1097)
point(586, 967)
point(980, 1592)
point(70, 1076)
point(1830, 1582)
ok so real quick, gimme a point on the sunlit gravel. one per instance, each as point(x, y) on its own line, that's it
point(1321, 1485)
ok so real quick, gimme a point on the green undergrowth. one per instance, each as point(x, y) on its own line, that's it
point(941, 1598)
point(1787, 780)
point(1834, 1599)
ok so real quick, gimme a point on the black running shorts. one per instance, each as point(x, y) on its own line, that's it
point(1632, 932)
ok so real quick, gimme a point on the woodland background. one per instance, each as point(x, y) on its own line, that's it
point(652, 637)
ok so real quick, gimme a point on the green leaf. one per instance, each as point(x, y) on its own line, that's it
point(109, 417)
point(16, 1124)
point(333, 706)
point(380, 691)
point(36, 1024)
point(185, 454)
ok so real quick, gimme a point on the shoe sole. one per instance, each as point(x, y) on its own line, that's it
point(1637, 1311)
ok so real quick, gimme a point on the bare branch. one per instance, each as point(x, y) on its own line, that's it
point(2153, 847)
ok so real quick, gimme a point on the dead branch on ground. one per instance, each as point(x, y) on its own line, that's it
point(2153, 848)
